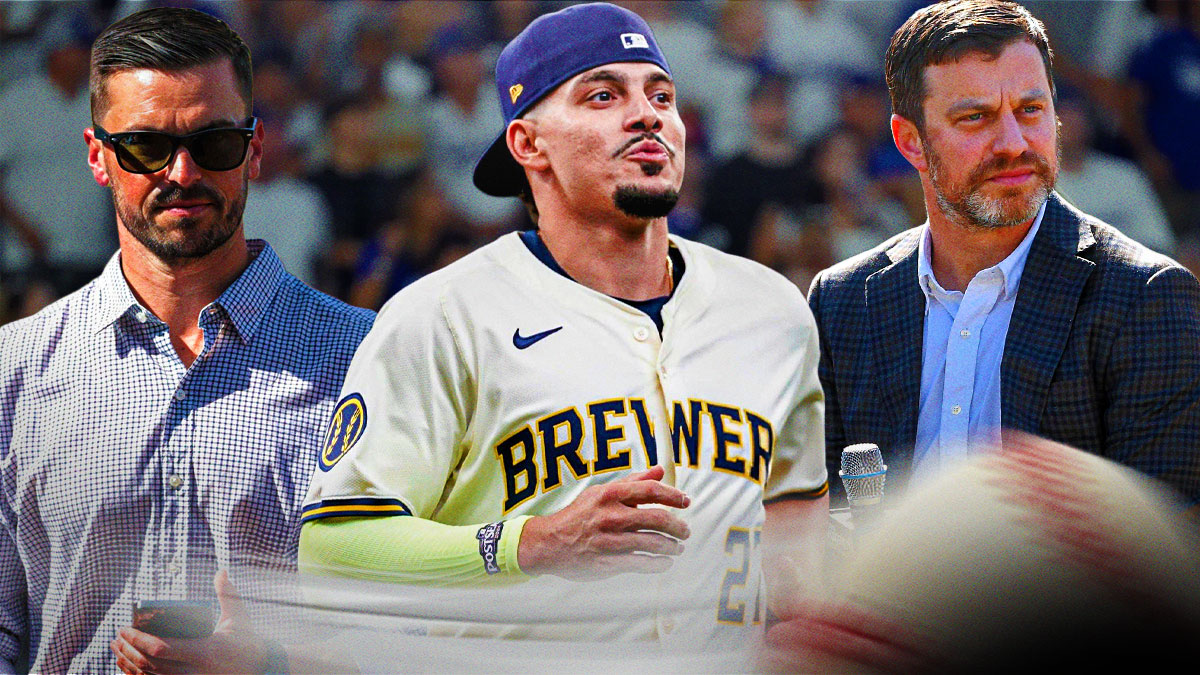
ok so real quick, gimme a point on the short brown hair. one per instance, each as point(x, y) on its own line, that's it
point(947, 31)
point(166, 38)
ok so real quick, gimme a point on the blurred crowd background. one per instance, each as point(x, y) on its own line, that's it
point(376, 111)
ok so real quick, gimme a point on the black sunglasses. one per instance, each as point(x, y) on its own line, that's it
point(149, 151)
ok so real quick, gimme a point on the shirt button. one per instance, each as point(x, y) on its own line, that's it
point(141, 316)
point(965, 333)
point(640, 334)
point(174, 481)
point(173, 569)
point(662, 370)
point(956, 409)
point(180, 394)
point(668, 625)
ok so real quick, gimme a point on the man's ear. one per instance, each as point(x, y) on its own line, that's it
point(523, 142)
point(95, 157)
point(255, 152)
point(908, 142)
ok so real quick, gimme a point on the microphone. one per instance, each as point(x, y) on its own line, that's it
point(863, 473)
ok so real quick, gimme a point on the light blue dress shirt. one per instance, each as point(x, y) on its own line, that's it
point(963, 347)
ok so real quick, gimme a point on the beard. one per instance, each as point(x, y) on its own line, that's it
point(967, 205)
point(186, 238)
point(642, 203)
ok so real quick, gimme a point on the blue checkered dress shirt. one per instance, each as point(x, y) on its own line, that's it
point(126, 476)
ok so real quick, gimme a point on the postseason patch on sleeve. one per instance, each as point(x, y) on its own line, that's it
point(346, 427)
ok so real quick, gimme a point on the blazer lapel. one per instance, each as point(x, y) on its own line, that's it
point(1050, 288)
point(896, 309)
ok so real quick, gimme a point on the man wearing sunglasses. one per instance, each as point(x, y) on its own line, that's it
point(157, 425)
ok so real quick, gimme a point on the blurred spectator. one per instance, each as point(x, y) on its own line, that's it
point(739, 57)
point(425, 236)
point(19, 25)
point(1110, 188)
point(406, 78)
point(395, 90)
point(687, 218)
point(866, 112)
point(408, 84)
point(321, 38)
point(360, 196)
point(417, 23)
point(502, 22)
point(782, 243)
point(463, 120)
point(287, 211)
point(1188, 254)
point(284, 108)
point(409, 80)
point(819, 44)
point(851, 208)
point(363, 78)
point(36, 295)
point(1164, 107)
point(848, 215)
point(770, 171)
point(48, 194)
point(1118, 30)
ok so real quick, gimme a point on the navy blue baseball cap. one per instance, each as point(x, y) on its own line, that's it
point(552, 49)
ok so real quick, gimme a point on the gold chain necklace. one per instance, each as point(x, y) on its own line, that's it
point(670, 273)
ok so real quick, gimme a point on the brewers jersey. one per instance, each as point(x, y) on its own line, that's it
point(497, 387)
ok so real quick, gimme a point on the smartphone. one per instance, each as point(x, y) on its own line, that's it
point(174, 618)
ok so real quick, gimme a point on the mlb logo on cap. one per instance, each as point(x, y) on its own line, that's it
point(632, 40)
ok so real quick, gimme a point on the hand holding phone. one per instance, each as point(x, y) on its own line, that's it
point(174, 618)
point(174, 636)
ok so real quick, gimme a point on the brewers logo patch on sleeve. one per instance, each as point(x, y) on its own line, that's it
point(346, 427)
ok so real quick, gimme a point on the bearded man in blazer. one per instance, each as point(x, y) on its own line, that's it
point(1009, 309)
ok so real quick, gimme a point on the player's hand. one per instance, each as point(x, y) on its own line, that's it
point(603, 532)
point(232, 648)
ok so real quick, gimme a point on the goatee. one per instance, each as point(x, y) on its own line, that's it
point(194, 237)
point(643, 203)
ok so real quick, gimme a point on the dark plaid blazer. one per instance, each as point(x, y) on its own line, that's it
point(1103, 351)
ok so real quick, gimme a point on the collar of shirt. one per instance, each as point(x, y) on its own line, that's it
point(1009, 269)
point(244, 302)
point(652, 307)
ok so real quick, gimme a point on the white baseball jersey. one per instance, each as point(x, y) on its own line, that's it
point(497, 387)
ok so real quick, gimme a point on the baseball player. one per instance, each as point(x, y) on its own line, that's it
point(589, 398)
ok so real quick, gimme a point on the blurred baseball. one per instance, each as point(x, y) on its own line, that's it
point(1037, 555)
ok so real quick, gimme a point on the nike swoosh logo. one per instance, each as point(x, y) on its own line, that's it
point(521, 342)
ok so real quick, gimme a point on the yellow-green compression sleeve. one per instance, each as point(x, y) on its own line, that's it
point(405, 549)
